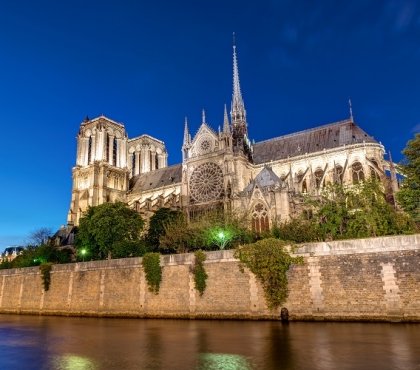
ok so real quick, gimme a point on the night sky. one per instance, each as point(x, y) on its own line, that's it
point(149, 64)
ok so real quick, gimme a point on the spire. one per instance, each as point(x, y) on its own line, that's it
point(186, 133)
point(351, 110)
point(238, 112)
point(226, 128)
point(203, 116)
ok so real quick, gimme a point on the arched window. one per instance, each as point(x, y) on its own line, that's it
point(338, 174)
point(304, 186)
point(90, 150)
point(150, 161)
point(133, 164)
point(114, 153)
point(156, 162)
point(318, 178)
point(260, 220)
point(374, 169)
point(373, 173)
point(357, 172)
point(107, 148)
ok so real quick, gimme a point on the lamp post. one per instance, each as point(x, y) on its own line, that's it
point(83, 252)
point(222, 239)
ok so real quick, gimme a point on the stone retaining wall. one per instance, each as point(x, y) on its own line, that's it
point(364, 279)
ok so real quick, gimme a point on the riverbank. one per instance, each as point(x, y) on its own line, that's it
point(376, 279)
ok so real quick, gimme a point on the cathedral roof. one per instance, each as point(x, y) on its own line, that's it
point(156, 179)
point(313, 140)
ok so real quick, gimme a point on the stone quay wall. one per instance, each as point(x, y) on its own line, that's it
point(375, 279)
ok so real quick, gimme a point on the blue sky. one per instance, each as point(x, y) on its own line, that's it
point(149, 64)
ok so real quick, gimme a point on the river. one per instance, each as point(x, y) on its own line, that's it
point(41, 342)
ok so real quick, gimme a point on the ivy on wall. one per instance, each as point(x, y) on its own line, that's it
point(45, 269)
point(153, 271)
point(200, 274)
point(269, 261)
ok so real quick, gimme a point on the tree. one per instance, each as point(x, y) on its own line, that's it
point(160, 219)
point(347, 212)
point(39, 236)
point(409, 194)
point(213, 230)
point(110, 230)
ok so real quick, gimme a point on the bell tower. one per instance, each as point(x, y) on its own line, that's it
point(101, 172)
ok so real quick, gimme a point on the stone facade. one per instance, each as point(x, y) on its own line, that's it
point(374, 279)
point(220, 169)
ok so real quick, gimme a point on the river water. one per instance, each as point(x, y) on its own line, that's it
point(36, 342)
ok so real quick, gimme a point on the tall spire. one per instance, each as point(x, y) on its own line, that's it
point(186, 133)
point(226, 128)
point(203, 116)
point(238, 112)
point(351, 110)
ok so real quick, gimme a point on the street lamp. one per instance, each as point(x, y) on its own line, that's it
point(222, 239)
point(83, 252)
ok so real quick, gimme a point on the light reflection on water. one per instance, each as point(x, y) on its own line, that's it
point(59, 343)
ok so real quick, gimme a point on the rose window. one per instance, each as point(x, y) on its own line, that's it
point(204, 145)
point(206, 182)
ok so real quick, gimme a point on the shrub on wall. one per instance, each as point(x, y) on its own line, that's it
point(200, 274)
point(269, 261)
point(153, 271)
point(45, 269)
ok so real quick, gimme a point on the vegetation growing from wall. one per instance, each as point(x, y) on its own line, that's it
point(45, 269)
point(111, 230)
point(269, 261)
point(152, 271)
point(200, 274)
point(409, 194)
point(346, 213)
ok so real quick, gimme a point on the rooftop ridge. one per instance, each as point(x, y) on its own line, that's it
point(102, 116)
point(146, 135)
point(158, 170)
point(306, 130)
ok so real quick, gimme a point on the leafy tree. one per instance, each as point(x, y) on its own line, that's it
point(110, 230)
point(345, 213)
point(34, 256)
point(161, 218)
point(409, 194)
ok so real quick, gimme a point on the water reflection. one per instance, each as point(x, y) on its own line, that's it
point(221, 361)
point(29, 342)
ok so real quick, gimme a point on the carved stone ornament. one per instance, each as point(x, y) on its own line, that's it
point(206, 182)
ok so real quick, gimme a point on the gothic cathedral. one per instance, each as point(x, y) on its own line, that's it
point(220, 170)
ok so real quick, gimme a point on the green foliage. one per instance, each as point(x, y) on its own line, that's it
point(345, 213)
point(110, 230)
point(409, 195)
point(45, 269)
point(152, 270)
point(269, 261)
point(34, 256)
point(200, 274)
point(160, 219)
point(181, 236)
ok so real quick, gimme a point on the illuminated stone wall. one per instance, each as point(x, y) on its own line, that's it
point(366, 279)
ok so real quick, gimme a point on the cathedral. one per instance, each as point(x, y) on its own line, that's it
point(220, 169)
